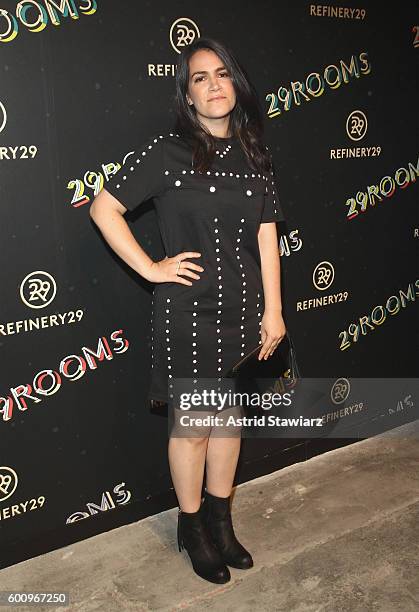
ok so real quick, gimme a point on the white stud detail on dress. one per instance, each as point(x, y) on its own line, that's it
point(152, 332)
point(216, 173)
point(224, 153)
point(220, 303)
point(168, 347)
point(143, 154)
point(194, 352)
point(259, 315)
point(243, 316)
point(273, 196)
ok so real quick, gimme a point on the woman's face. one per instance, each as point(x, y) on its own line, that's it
point(210, 88)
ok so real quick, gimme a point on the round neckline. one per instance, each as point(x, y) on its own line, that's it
point(224, 139)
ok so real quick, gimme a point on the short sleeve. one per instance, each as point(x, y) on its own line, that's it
point(141, 175)
point(272, 210)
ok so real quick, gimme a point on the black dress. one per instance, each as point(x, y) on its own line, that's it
point(201, 330)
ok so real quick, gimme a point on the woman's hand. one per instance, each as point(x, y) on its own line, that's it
point(272, 331)
point(165, 270)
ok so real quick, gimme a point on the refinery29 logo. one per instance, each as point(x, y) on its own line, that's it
point(182, 33)
point(340, 390)
point(3, 116)
point(323, 275)
point(38, 289)
point(8, 482)
point(356, 125)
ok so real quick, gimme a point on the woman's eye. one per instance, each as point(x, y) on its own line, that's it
point(220, 74)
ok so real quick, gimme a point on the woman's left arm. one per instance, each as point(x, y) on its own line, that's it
point(272, 324)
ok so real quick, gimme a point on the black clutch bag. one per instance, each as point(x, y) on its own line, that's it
point(278, 372)
point(281, 364)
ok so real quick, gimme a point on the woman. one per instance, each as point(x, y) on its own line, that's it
point(212, 181)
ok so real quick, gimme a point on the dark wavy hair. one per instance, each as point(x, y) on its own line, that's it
point(245, 119)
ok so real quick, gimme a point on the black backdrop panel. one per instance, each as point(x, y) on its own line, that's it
point(75, 97)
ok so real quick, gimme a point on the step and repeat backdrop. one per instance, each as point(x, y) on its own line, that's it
point(83, 83)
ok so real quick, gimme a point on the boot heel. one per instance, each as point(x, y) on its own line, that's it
point(179, 536)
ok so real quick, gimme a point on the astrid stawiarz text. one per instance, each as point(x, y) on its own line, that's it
point(187, 420)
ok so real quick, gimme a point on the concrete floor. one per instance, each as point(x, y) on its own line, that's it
point(339, 532)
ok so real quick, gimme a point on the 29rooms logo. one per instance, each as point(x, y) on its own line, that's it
point(48, 382)
point(35, 16)
point(316, 84)
point(120, 497)
point(384, 187)
point(375, 316)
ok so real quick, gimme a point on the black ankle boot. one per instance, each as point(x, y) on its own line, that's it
point(193, 536)
point(218, 518)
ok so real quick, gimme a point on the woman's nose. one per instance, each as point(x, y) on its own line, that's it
point(214, 86)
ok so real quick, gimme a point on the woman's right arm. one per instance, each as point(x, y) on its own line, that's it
point(108, 214)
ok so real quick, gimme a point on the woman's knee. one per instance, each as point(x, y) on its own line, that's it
point(197, 440)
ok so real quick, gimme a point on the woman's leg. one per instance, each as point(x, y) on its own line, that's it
point(187, 464)
point(221, 463)
point(223, 452)
point(196, 448)
point(222, 456)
